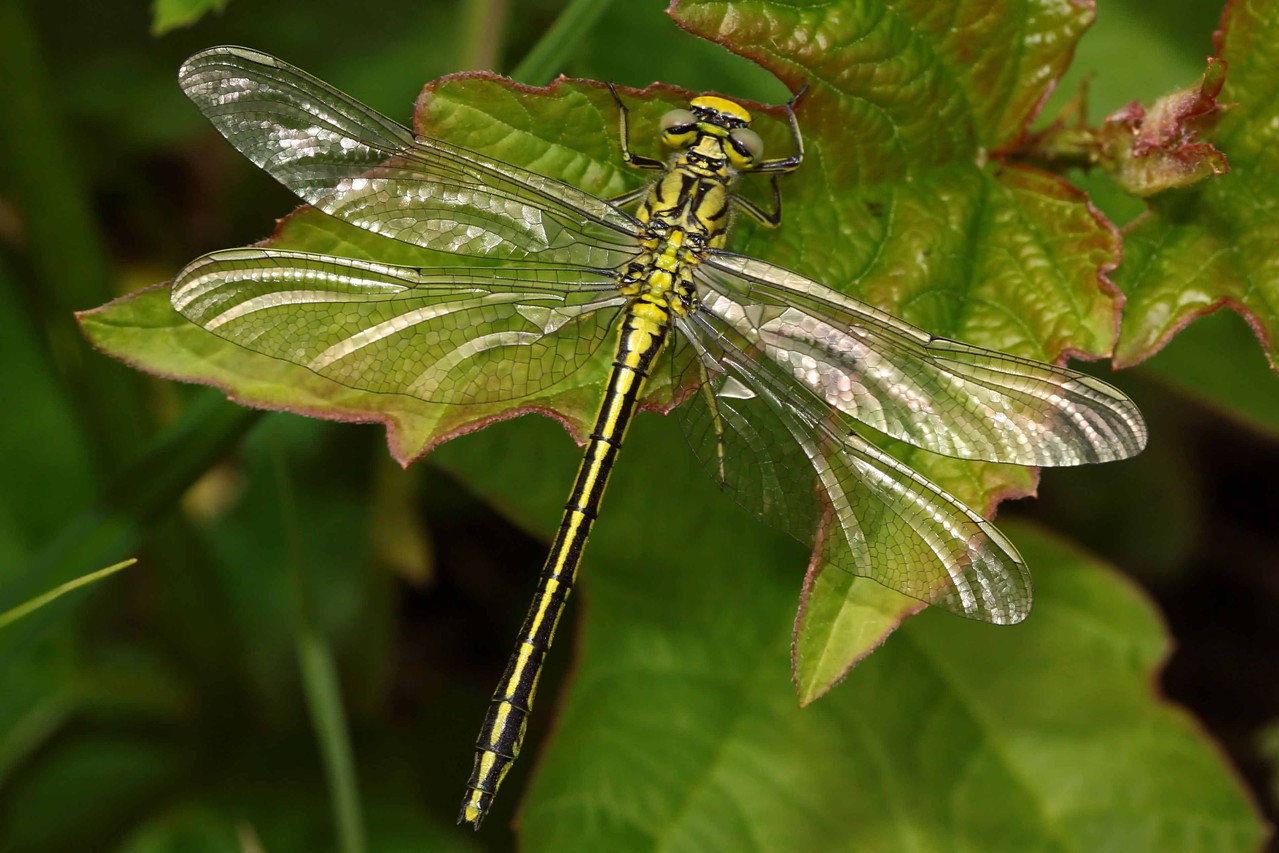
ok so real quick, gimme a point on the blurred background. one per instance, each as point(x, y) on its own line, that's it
point(177, 683)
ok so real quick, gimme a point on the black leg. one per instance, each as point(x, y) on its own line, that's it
point(759, 214)
point(782, 165)
point(633, 160)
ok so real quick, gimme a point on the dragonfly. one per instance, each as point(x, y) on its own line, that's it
point(779, 379)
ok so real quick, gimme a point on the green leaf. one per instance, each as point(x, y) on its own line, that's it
point(1005, 257)
point(167, 15)
point(909, 85)
point(678, 725)
point(107, 777)
point(1201, 249)
point(569, 131)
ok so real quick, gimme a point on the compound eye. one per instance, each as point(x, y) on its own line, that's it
point(679, 129)
point(678, 119)
point(746, 144)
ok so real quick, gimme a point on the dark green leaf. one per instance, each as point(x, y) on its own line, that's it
point(104, 778)
point(680, 726)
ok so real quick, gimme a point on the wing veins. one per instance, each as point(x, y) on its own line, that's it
point(978, 555)
point(986, 386)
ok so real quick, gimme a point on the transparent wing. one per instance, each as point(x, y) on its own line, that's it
point(783, 454)
point(356, 164)
point(944, 396)
point(445, 335)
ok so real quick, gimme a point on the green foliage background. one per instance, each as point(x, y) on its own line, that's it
point(294, 581)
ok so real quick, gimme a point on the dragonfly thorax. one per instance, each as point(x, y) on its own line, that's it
point(685, 200)
point(662, 274)
point(687, 210)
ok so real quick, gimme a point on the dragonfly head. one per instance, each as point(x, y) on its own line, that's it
point(722, 119)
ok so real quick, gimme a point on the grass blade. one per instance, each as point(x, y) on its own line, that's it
point(15, 613)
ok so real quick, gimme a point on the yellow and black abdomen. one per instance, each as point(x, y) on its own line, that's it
point(641, 339)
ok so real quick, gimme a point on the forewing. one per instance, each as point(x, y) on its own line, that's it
point(445, 335)
point(941, 395)
point(780, 452)
point(360, 166)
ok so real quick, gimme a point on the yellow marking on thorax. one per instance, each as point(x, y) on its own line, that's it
point(689, 200)
point(710, 146)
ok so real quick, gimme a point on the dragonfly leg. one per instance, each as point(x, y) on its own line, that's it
point(782, 165)
point(774, 168)
point(769, 218)
point(717, 424)
point(634, 160)
point(629, 197)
